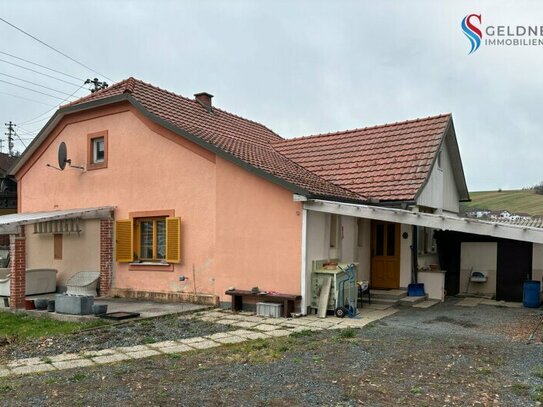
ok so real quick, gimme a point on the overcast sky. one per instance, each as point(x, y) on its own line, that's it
point(300, 67)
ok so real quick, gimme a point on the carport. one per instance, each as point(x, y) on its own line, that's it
point(518, 248)
point(22, 226)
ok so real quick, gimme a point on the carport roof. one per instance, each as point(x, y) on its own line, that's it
point(435, 221)
point(9, 224)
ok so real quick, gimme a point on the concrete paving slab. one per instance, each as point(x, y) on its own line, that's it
point(33, 368)
point(190, 341)
point(219, 335)
point(117, 357)
point(177, 349)
point(144, 353)
point(163, 344)
point(64, 357)
point(426, 304)
point(279, 332)
point(135, 348)
point(206, 344)
point(103, 352)
point(469, 302)
point(226, 321)
point(501, 303)
point(26, 362)
point(375, 306)
point(231, 339)
point(266, 327)
point(259, 335)
point(69, 364)
point(245, 324)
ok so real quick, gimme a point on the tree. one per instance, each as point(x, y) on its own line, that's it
point(539, 188)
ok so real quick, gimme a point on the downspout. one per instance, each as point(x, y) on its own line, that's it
point(414, 255)
point(303, 262)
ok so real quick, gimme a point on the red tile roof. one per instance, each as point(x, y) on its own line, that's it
point(244, 139)
point(388, 162)
point(6, 162)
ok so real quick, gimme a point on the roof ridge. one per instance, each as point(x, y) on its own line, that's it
point(377, 126)
point(98, 92)
point(214, 107)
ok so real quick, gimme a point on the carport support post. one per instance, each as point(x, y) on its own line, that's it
point(17, 282)
point(106, 255)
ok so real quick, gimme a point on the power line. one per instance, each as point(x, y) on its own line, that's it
point(32, 121)
point(30, 89)
point(54, 49)
point(41, 66)
point(20, 139)
point(38, 72)
point(27, 99)
point(34, 83)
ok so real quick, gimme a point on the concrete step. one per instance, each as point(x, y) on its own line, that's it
point(388, 294)
point(381, 301)
point(410, 301)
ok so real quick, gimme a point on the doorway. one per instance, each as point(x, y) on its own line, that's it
point(385, 255)
point(514, 267)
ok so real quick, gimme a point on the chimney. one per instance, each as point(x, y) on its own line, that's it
point(204, 99)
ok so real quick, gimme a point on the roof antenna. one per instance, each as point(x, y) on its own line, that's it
point(96, 84)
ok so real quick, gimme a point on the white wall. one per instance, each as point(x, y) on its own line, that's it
point(440, 192)
point(405, 255)
point(79, 252)
point(318, 243)
point(537, 262)
point(481, 256)
point(348, 239)
point(363, 250)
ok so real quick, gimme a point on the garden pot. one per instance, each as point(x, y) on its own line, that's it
point(41, 304)
point(29, 304)
point(99, 309)
point(51, 306)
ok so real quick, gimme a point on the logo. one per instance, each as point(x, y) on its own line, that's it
point(473, 33)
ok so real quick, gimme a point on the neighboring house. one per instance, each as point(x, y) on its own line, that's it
point(8, 186)
point(173, 198)
point(478, 213)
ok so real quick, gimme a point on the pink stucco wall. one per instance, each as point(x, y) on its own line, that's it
point(237, 228)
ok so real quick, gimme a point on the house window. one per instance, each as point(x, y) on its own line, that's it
point(97, 150)
point(57, 246)
point(151, 239)
point(439, 160)
point(148, 237)
point(425, 240)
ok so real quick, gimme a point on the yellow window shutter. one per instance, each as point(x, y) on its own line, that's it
point(124, 241)
point(173, 240)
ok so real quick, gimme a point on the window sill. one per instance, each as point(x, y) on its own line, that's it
point(150, 266)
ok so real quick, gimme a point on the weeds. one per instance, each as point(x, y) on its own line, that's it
point(520, 389)
point(77, 377)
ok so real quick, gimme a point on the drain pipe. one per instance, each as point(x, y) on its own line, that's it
point(414, 255)
point(303, 271)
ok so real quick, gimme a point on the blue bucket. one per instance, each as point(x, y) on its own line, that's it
point(415, 290)
point(532, 294)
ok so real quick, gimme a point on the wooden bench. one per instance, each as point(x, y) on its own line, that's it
point(288, 300)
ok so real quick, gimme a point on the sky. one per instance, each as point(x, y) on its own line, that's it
point(299, 67)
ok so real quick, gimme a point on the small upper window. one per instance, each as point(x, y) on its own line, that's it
point(439, 160)
point(97, 150)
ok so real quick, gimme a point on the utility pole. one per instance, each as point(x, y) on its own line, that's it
point(10, 133)
point(97, 85)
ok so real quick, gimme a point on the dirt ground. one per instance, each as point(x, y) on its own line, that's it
point(442, 356)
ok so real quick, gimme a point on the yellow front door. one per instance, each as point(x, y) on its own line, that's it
point(385, 255)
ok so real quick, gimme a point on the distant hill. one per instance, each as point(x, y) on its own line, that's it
point(525, 200)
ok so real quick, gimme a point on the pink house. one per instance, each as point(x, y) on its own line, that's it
point(173, 198)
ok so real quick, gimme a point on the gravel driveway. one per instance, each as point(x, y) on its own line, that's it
point(444, 355)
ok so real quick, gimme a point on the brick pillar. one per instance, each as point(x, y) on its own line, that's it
point(106, 255)
point(17, 244)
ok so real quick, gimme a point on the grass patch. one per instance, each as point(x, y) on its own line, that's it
point(300, 334)
point(348, 333)
point(259, 351)
point(415, 391)
point(77, 377)
point(539, 372)
point(484, 371)
point(23, 326)
point(520, 389)
point(525, 200)
point(538, 394)
point(5, 388)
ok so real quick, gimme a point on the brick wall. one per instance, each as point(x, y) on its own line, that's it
point(106, 255)
point(18, 270)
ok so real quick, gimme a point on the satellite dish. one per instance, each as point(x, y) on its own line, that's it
point(62, 155)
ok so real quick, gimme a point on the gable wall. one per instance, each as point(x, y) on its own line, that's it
point(440, 192)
